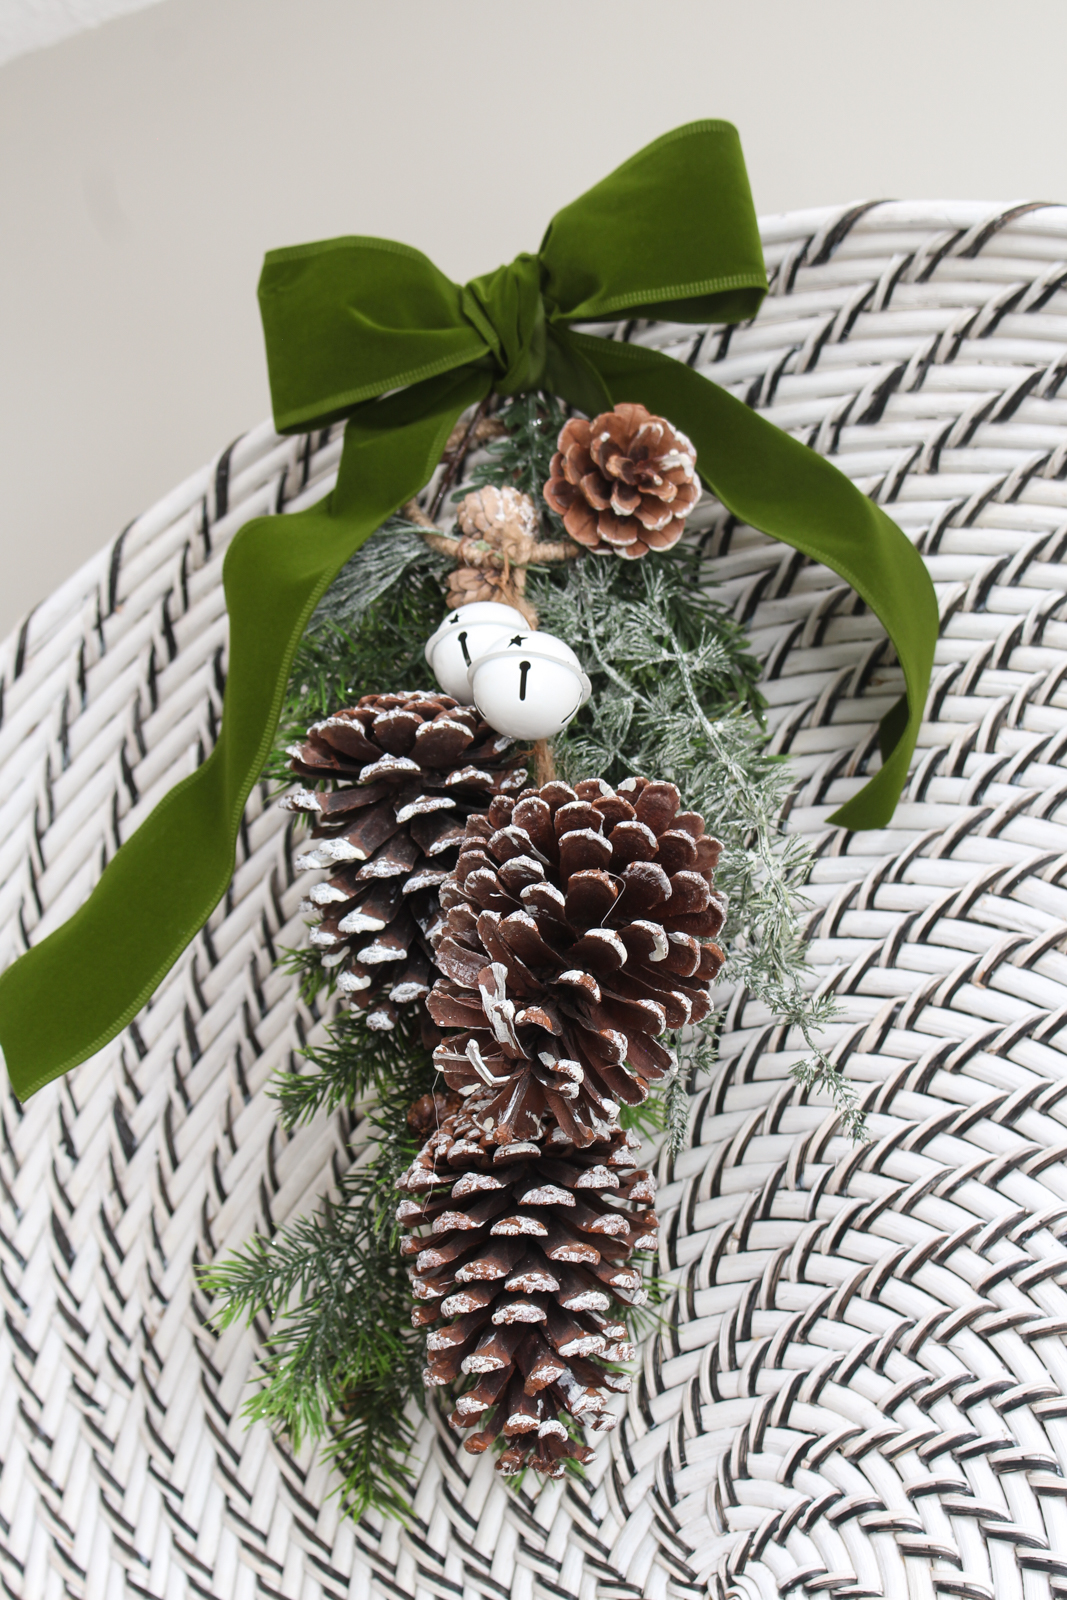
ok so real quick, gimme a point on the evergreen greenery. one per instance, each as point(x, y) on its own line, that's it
point(343, 1361)
point(522, 458)
point(305, 965)
point(368, 633)
point(675, 695)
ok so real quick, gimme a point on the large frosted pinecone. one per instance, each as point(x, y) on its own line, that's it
point(404, 773)
point(577, 929)
point(522, 1266)
point(626, 481)
point(576, 932)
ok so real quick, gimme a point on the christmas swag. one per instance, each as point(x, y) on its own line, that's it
point(527, 877)
point(545, 835)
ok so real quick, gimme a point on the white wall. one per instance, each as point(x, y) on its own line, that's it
point(146, 165)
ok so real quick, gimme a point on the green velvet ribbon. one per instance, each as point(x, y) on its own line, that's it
point(370, 330)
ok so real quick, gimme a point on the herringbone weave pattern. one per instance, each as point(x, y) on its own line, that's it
point(860, 1387)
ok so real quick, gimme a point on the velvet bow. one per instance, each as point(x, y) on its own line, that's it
point(370, 330)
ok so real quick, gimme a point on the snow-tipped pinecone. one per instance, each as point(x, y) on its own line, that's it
point(405, 773)
point(575, 931)
point(521, 1266)
point(626, 481)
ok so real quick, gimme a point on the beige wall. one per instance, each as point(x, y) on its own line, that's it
point(33, 24)
point(147, 165)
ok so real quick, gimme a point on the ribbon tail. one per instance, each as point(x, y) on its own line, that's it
point(773, 482)
point(68, 996)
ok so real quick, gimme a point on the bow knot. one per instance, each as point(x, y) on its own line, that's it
point(506, 308)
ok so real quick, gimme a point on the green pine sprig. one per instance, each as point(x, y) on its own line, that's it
point(305, 964)
point(523, 457)
point(343, 1361)
point(358, 1062)
point(368, 633)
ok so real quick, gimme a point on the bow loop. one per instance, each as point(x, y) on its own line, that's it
point(670, 234)
point(507, 309)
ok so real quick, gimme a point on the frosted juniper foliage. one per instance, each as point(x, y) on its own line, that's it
point(673, 695)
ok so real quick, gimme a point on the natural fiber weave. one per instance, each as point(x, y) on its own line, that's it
point(861, 1388)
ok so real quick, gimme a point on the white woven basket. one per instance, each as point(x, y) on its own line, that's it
point(861, 1387)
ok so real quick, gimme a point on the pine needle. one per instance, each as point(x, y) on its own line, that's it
point(343, 1360)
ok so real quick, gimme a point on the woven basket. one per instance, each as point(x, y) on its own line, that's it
point(860, 1387)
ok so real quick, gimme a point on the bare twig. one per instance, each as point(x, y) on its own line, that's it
point(456, 452)
point(544, 762)
point(550, 552)
point(415, 514)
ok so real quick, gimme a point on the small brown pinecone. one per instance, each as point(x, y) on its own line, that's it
point(625, 481)
point(499, 528)
point(467, 584)
point(504, 518)
point(522, 1263)
point(574, 936)
point(406, 772)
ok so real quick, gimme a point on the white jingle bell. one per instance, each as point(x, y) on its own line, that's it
point(529, 686)
point(462, 637)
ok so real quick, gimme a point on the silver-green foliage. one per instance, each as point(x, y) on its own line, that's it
point(396, 551)
point(661, 706)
